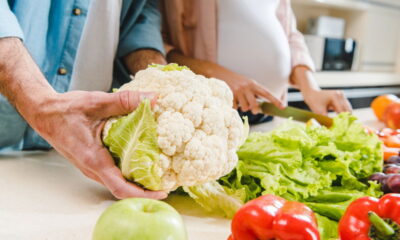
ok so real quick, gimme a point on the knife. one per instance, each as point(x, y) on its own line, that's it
point(295, 113)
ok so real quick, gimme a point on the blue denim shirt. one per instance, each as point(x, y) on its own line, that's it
point(51, 31)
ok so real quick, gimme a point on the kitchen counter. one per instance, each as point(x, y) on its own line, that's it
point(43, 197)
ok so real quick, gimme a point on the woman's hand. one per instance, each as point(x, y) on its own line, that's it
point(322, 101)
point(245, 90)
point(319, 101)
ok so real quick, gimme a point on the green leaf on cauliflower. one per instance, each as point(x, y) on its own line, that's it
point(132, 139)
point(169, 67)
point(215, 198)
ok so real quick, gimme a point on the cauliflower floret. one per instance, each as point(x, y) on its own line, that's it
point(232, 161)
point(173, 131)
point(203, 154)
point(221, 90)
point(172, 102)
point(213, 122)
point(193, 111)
point(235, 129)
point(165, 162)
point(169, 181)
point(198, 130)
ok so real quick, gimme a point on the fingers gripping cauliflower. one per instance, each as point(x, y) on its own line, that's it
point(189, 138)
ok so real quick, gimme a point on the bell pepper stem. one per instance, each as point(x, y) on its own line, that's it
point(381, 226)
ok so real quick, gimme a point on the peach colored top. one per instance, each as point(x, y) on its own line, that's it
point(191, 27)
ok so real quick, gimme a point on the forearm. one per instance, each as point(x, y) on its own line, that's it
point(140, 59)
point(198, 66)
point(21, 81)
point(303, 79)
point(206, 68)
point(245, 90)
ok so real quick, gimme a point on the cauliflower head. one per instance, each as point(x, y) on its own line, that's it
point(190, 137)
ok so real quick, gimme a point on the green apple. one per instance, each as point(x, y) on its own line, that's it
point(140, 219)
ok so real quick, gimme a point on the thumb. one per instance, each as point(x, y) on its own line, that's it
point(124, 102)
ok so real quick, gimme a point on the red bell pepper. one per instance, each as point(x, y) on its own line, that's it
point(369, 218)
point(272, 217)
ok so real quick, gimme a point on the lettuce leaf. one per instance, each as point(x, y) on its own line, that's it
point(324, 168)
point(297, 162)
point(327, 228)
point(132, 140)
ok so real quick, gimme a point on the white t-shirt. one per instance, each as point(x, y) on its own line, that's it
point(252, 42)
point(93, 67)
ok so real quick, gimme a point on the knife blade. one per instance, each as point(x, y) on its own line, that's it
point(295, 113)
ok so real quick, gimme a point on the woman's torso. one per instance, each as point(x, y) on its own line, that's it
point(252, 42)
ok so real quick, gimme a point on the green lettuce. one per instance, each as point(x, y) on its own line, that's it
point(132, 140)
point(327, 228)
point(324, 168)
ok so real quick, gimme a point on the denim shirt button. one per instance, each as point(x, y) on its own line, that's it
point(77, 11)
point(62, 71)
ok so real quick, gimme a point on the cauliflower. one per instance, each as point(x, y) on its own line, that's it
point(190, 137)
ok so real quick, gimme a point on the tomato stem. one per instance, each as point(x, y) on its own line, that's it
point(381, 226)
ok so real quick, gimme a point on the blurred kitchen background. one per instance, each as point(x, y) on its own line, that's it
point(355, 45)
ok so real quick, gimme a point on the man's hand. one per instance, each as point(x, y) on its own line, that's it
point(245, 91)
point(72, 123)
point(319, 101)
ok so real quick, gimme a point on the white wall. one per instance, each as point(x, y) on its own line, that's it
point(373, 23)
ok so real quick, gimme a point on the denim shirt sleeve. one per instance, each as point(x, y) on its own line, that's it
point(144, 32)
point(9, 26)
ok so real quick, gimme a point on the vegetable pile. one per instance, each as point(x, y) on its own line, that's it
point(324, 168)
point(389, 178)
point(193, 138)
point(189, 138)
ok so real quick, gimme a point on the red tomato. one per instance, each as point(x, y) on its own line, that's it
point(380, 103)
point(391, 116)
